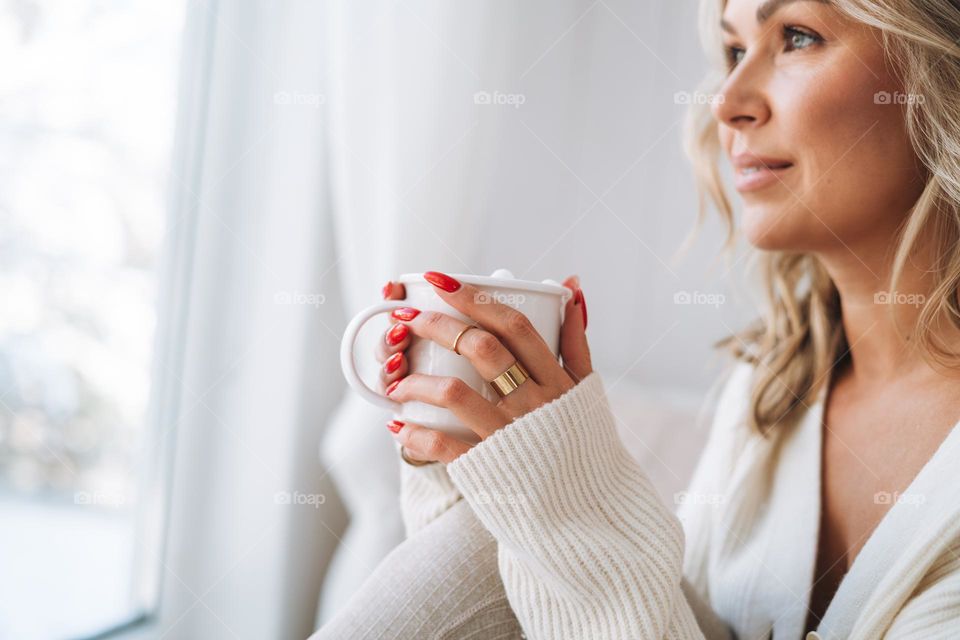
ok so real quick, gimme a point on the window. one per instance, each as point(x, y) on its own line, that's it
point(87, 100)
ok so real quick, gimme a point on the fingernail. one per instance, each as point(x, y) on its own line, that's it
point(387, 289)
point(582, 302)
point(393, 386)
point(393, 362)
point(397, 333)
point(405, 313)
point(442, 280)
point(573, 282)
point(395, 425)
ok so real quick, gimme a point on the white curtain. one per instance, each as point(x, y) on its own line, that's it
point(257, 264)
point(328, 147)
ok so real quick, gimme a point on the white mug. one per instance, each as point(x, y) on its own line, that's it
point(542, 302)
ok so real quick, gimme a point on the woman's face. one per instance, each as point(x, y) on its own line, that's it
point(810, 96)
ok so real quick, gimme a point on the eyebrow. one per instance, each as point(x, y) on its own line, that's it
point(765, 10)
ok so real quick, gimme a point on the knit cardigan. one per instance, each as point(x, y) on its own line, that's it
point(588, 550)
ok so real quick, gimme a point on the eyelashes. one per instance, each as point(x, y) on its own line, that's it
point(794, 39)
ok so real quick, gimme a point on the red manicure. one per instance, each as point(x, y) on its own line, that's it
point(397, 333)
point(393, 386)
point(395, 425)
point(405, 313)
point(393, 362)
point(442, 280)
point(580, 300)
point(387, 289)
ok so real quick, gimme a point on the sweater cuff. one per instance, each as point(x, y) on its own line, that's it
point(557, 459)
point(425, 493)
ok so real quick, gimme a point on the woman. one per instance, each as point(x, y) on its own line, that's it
point(829, 501)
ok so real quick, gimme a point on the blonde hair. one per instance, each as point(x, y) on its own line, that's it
point(799, 337)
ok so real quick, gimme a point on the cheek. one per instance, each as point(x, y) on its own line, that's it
point(858, 172)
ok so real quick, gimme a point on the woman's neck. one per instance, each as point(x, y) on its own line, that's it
point(883, 345)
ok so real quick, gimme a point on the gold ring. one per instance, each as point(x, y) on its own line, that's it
point(411, 461)
point(456, 340)
point(509, 380)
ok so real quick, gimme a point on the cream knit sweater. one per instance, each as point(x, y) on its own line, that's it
point(587, 549)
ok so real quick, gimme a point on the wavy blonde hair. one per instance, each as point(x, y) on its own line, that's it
point(799, 336)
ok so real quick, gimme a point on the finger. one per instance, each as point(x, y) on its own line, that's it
point(395, 339)
point(483, 349)
point(510, 325)
point(393, 369)
point(574, 348)
point(393, 291)
point(476, 412)
point(421, 443)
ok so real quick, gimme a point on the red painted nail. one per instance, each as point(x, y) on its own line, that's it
point(397, 333)
point(393, 386)
point(393, 362)
point(405, 313)
point(387, 289)
point(583, 306)
point(395, 425)
point(442, 280)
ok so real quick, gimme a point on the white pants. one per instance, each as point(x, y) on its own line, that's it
point(442, 583)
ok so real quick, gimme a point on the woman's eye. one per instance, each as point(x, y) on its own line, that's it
point(734, 55)
point(795, 38)
point(798, 39)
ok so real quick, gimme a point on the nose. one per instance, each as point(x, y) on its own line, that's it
point(742, 101)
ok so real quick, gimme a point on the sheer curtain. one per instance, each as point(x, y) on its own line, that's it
point(250, 506)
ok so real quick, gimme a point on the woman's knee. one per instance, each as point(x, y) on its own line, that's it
point(444, 579)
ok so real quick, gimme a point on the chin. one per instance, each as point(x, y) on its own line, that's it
point(770, 229)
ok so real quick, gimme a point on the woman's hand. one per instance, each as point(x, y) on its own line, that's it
point(506, 335)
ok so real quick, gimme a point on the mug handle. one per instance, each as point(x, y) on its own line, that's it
point(347, 344)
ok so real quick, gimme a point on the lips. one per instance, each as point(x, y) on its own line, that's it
point(749, 160)
point(753, 168)
point(754, 171)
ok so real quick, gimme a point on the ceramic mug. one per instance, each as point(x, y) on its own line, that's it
point(542, 302)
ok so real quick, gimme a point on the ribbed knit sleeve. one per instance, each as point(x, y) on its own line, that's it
point(425, 493)
point(586, 547)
